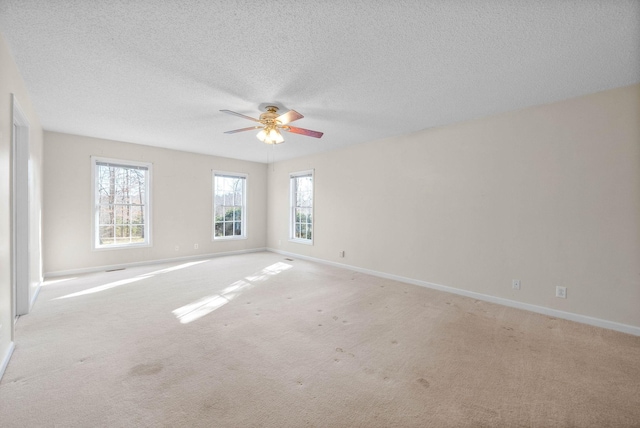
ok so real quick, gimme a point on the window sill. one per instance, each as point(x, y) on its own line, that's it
point(121, 247)
point(230, 238)
point(302, 241)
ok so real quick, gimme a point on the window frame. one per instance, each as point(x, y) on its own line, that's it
point(293, 206)
point(245, 210)
point(147, 211)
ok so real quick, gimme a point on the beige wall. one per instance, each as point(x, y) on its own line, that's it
point(181, 204)
point(549, 195)
point(11, 83)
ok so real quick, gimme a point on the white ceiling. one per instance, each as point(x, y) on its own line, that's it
point(158, 72)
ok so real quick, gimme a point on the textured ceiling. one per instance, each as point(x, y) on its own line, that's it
point(158, 72)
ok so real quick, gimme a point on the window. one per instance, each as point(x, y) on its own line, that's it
point(229, 205)
point(121, 198)
point(301, 223)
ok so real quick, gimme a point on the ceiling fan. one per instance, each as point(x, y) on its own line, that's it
point(270, 125)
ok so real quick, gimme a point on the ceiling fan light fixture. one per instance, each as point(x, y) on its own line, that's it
point(270, 135)
point(276, 136)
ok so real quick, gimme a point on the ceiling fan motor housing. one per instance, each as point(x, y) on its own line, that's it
point(269, 117)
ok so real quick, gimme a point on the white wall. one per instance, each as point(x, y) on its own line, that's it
point(11, 83)
point(549, 195)
point(181, 204)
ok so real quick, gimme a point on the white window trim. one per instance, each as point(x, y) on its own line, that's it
point(244, 206)
point(292, 215)
point(95, 212)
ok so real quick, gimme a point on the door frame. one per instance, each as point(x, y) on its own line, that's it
point(20, 237)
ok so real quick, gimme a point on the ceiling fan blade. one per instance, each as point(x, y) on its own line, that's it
point(289, 117)
point(243, 129)
point(240, 115)
point(302, 131)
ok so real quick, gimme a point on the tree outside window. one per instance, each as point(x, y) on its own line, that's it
point(229, 205)
point(301, 187)
point(121, 203)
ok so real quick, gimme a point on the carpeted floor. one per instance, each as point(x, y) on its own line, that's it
point(259, 340)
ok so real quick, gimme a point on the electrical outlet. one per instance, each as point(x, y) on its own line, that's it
point(195, 246)
point(515, 284)
point(177, 248)
point(341, 253)
point(561, 292)
point(279, 241)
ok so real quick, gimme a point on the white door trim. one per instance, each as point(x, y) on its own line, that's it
point(19, 209)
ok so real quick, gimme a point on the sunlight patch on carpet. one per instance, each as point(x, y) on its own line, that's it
point(129, 280)
point(103, 287)
point(206, 305)
point(200, 308)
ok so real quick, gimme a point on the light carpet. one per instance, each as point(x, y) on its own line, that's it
point(259, 340)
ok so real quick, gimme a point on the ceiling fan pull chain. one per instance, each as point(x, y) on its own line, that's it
point(273, 159)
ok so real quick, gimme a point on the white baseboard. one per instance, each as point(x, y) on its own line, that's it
point(584, 319)
point(148, 262)
point(5, 360)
